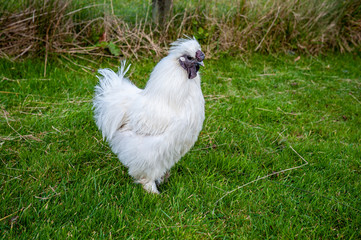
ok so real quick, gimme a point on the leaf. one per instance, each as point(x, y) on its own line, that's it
point(114, 49)
point(102, 44)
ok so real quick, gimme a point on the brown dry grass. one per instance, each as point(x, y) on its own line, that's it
point(311, 26)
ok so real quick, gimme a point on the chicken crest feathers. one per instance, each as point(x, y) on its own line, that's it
point(183, 45)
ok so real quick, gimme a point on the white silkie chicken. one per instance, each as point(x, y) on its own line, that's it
point(151, 129)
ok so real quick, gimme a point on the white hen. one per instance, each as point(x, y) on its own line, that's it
point(151, 129)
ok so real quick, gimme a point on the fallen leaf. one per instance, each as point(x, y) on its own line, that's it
point(103, 37)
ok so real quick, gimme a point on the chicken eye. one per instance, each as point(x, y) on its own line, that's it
point(189, 58)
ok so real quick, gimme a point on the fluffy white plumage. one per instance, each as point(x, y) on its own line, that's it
point(151, 129)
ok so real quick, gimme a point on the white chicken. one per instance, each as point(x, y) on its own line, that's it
point(150, 129)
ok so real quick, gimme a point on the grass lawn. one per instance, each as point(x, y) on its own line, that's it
point(264, 114)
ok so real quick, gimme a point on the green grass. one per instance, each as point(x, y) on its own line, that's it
point(58, 179)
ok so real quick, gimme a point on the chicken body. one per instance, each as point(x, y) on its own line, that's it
point(151, 129)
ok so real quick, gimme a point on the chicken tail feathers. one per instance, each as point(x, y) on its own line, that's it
point(123, 68)
point(113, 95)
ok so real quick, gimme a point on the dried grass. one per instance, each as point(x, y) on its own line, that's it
point(311, 26)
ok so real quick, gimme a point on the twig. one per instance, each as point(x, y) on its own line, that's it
point(213, 146)
point(56, 129)
point(46, 49)
point(80, 9)
point(86, 26)
point(355, 98)
point(264, 177)
point(111, 6)
point(10, 215)
point(27, 49)
point(263, 109)
point(79, 65)
point(291, 113)
point(7, 121)
point(274, 20)
point(4, 92)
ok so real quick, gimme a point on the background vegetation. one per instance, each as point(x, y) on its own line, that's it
point(126, 27)
point(279, 153)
